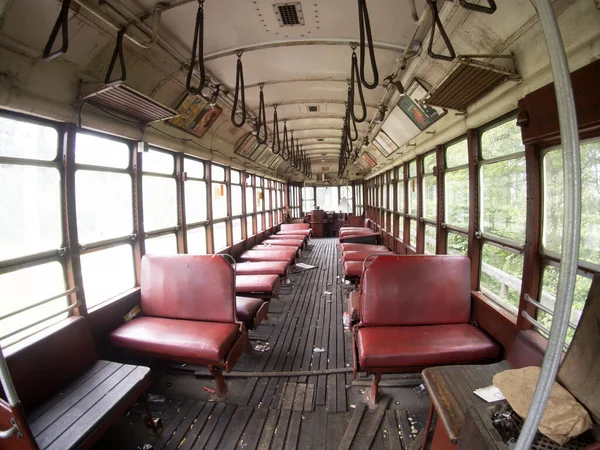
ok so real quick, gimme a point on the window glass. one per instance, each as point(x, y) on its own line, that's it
point(589, 249)
point(430, 197)
point(249, 200)
point(504, 199)
point(391, 195)
point(501, 274)
point(236, 200)
point(457, 244)
point(104, 203)
point(218, 173)
point(430, 237)
point(548, 299)
point(502, 140)
point(30, 216)
point(457, 154)
point(308, 199)
point(259, 223)
point(249, 229)
point(162, 245)
point(384, 191)
point(219, 200)
point(400, 234)
point(194, 168)
point(114, 264)
point(412, 169)
point(400, 196)
point(236, 226)
point(160, 202)
point(429, 162)
point(195, 201)
point(220, 236)
point(196, 240)
point(259, 199)
point(258, 182)
point(412, 197)
point(267, 199)
point(268, 220)
point(158, 162)
point(25, 140)
point(457, 198)
point(412, 233)
point(99, 151)
point(26, 287)
point(235, 177)
point(327, 198)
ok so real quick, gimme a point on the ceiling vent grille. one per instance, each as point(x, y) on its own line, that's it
point(320, 140)
point(312, 108)
point(289, 14)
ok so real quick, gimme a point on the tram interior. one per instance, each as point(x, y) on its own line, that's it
point(266, 225)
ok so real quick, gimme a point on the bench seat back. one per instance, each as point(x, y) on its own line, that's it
point(416, 290)
point(189, 287)
point(294, 226)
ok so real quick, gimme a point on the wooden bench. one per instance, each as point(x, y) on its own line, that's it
point(69, 396)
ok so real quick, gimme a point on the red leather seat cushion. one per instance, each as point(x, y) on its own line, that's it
point(294, 232)
point(302, 227)
point(353, 268)
point(354, 306)
point(349, 231)
point(351, 236)
point(269, 255)
point(298, 243)
point(362, 248)
point(182, 340)
point(263, 268)
point(246, 308)
point(361, 256)
point(420, 346)
point(247, 284)
point(302, 237)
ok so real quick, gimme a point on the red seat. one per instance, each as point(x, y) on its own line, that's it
point(295, 228)
point(353, 269)
point(286, 237)
point(284, 254)
point(252, 311)
point(182, 340)
point(298, 243)
point(280, 268)
point(361, 256)
point(276, 247)
point(369, 237)
point(362, 248)
point(421, 346)
point(264, 286)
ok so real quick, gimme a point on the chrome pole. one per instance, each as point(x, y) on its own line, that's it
point(571, 220)
point(7, 383)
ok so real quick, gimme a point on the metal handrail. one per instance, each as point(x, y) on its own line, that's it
point(547, 310)
point(27, 308)
point(571, 220)
point(58, 313)
point(539, 326)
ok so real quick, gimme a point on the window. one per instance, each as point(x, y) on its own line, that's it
point(218, 173)
point(457, 186)
point(249, 227)
point(195, 191)
point(400, 202)
point(430, 235)
point(429, 196)
point(503, 200)
point(308, 199)
point(268, 220)
point(104, 205)
point(259, 199)
point(235, 177)
point(259, 223)
point(236, 227)
point(196, 240)
point(412, 203)
point(162, 245)
point(358, 198)
point(458, 244)
point(159, 190)
point(267, 194)
point(328, 198)
point(552, 223)
point(236, 200)
point(346, 199)
point(219, 200)
point(412, 223)
point(249, 200)
point(26, 140)
point(220, 236)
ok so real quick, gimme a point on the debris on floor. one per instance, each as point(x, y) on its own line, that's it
point(155, 398)
point(262, 347)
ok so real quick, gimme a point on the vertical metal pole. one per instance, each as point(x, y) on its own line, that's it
point(7, 383)
point(571, 220)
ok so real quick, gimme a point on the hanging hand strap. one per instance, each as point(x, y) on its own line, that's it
point(276, 139)
point(365, 27)
point(239, 86)
point(262, 119)
point(285, 153)
point(62, 22)
point(197, 45)
point(118, 52)
point(491, 9)
point(355, 82)
point(436, 21)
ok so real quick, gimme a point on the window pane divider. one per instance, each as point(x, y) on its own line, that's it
point(29, 162)
point(455, 229)
point(455, 168)
point(203, 223)
point(161, 232)
point(92, 168)
point(31, 325)
point(503, 243)
point(160, 175)
point(108, 243)
point(502, 158)
point(584, 266)
point(188, 178)
point(42, 302)
point(31, 260)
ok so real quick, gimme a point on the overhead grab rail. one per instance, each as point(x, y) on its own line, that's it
point(262, 119)
point(365, 28)
point(276, 139)
point(354, 80)
point(197, 51)
point(118, 52)
point(239, 86)
point(491, 9)
point(62, 23)
point(436, 21)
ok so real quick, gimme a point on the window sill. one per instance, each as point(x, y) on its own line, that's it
point(115, 299)
point(506, 316)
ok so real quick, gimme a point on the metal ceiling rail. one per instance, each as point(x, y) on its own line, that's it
point(308, 102)
point(300, 80)
point(571, 223)
point(312, 116)
point(299, 42)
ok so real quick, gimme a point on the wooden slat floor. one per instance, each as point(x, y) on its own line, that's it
point(287, 412)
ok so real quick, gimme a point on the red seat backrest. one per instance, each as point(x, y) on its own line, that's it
point(416, 290)
point(46, 362)
point(294, 226)
point(189, 287)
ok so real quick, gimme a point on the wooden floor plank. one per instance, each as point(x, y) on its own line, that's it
point(309, 398)
point(299, 397)
point(368, 435)
point(281, 429)
point(320, 430)
point(236, 428)
point(293, 434)
point(220, 428)
point(352, 428)
point(268, 430)
point(184, 426)
point(197, 426)
point(251, 436)
point(209, 426)
point(393, 441)
point(402, 418)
